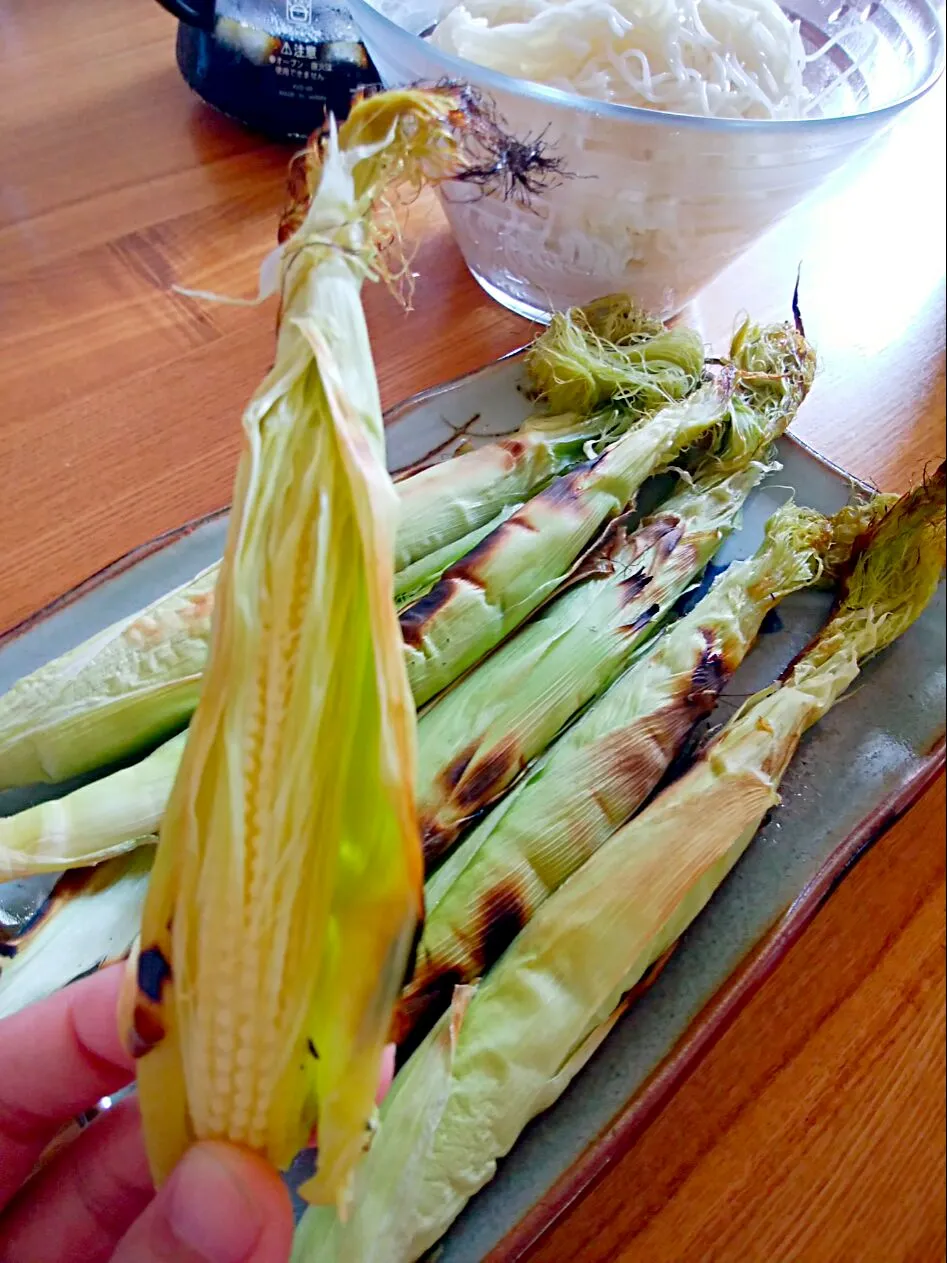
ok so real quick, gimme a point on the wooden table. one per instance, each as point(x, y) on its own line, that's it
point(815, 1129)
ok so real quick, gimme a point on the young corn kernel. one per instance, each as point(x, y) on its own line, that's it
point(287, 882)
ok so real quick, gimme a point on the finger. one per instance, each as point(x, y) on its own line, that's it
point(81, 1205)
point(387, 1073)
point(221, 1204)
point(57, 1058)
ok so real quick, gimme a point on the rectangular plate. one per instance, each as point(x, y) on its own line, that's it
point(856, 771)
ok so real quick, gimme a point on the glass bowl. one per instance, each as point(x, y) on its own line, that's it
point(657, 203)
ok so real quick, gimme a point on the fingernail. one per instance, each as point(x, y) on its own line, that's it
point(212, 1209)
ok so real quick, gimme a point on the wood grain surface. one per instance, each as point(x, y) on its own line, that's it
point(814, 1131)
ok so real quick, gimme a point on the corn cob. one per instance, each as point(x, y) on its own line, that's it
point(477, 737)
point(138, 681)
point(514, 1048)
point(477, 721)
point(646, 364)
point(599, 773)
point(482, 598)
point(515, 569)
point(91, 919)
point(290, 834)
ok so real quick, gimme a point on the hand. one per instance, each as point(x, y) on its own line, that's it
point(94, 1200)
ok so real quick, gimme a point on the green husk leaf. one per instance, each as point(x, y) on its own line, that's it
point(601, 771)
point(124, 690)
point(595, 938)
point(93, 823)
point(91, 919)
point(515, 569)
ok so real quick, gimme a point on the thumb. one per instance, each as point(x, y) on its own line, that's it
point(221, 1204)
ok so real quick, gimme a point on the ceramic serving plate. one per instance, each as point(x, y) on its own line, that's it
point(854, 774)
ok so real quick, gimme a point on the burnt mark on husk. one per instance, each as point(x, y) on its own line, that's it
point(661, 527)
point(435, 840)
point(639, 760)
point(642, 621)
point(669, 540)
point(633, 586)
point(470, 567)
point(420, 1008)
point(475, 791)
point(564, 490)
point(451, 774)
point(514, 446)
point(154, 970)
point(469, 794)
point(415, 619)
point(501, 914)
point(147, 1030)
point(709, 675)
point(702, 689)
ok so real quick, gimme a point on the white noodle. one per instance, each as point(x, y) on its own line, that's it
point(723, 58)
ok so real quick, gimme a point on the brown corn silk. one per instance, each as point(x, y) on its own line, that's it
point(287, 885)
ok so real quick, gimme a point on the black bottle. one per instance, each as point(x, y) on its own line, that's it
point(277, 66)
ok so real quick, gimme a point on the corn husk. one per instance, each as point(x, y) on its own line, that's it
point(138, 681)
point(591, 942)
point(416, 580)
point(287, 882)
point(480, 600)
point(638, 359)
point(91, 919)
point(479, 735)
point(93, 823)
point(600, 772)
point(124, 690)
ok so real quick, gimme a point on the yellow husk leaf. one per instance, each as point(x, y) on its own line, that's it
point(287, 883)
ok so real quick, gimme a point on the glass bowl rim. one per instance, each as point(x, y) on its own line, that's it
point(482, 76)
